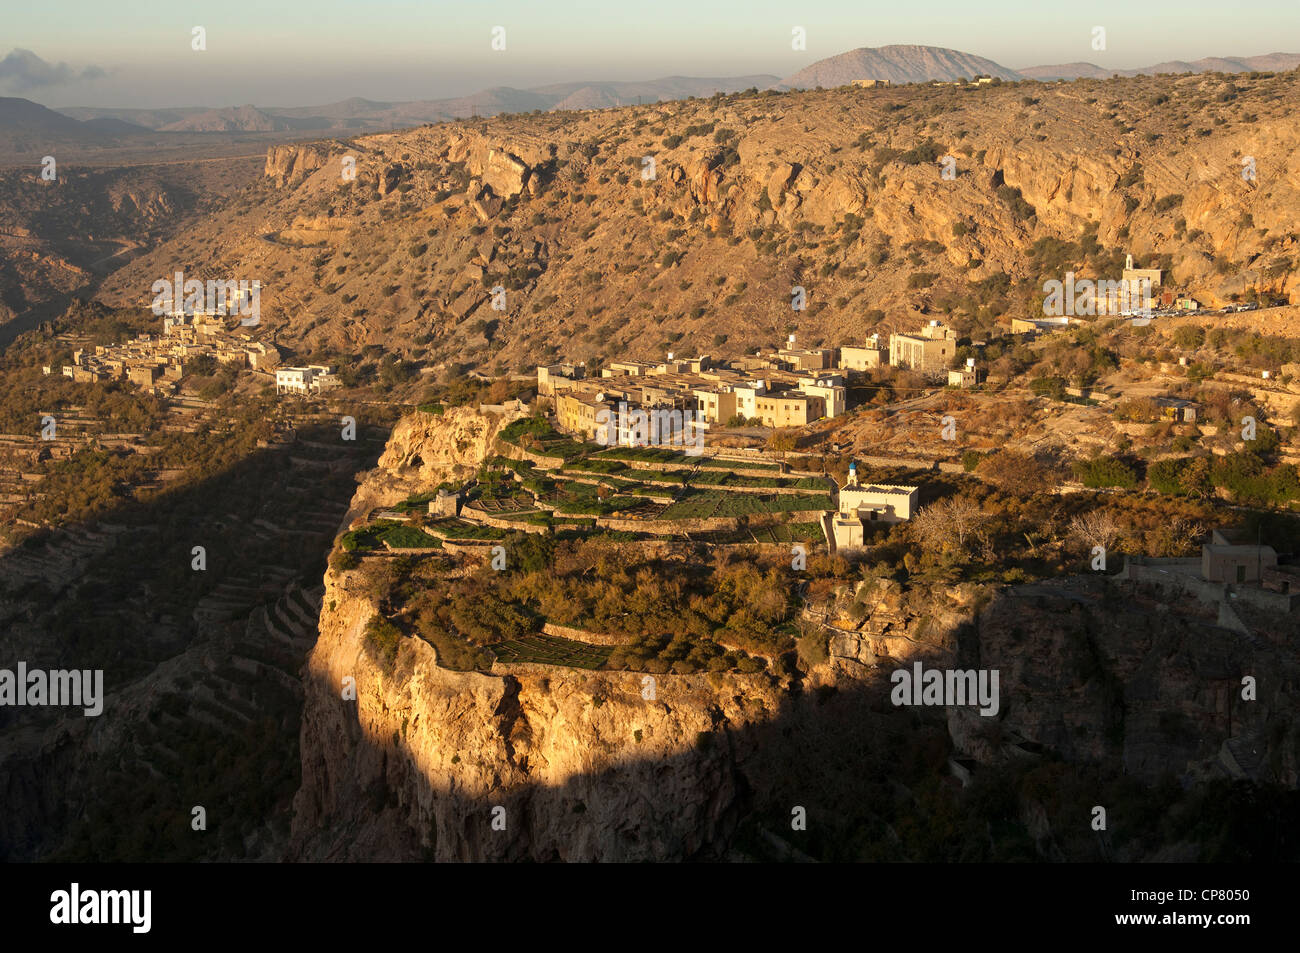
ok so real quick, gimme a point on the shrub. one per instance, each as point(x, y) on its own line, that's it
point(1105, 472)
point(382, 640)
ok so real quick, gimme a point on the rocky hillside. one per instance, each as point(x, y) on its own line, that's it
point(59, 237)
point(838, 191)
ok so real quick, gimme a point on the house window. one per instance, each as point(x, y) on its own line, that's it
point(1241, 574)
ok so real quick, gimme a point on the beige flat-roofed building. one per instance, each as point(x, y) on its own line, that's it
point(853, 358)
point(830, 390)
point(627, 368)
point(1139, 278)
point(879, 502)
point(1033, 325)
point(929, 351)
point(807, 359)
point(963, 377)
point(553, 377)
point(578, 414)
point(715, 406)
point(787, 409)
point(1236, 564)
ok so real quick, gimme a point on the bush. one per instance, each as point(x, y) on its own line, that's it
point(813, 649)
point(1014, 472)
point(1105, 472)
point(382, 640)
point(1053, 387)
point(1166, 476)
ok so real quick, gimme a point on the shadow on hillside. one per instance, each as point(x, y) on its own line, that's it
point(201, 668)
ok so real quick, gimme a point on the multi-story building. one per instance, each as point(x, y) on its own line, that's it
point(854, 358)
point(311, 379)
point(929, 351)
point(788, 409)
point(577, 414)
point(830, 388)
point(715, 404)
point(554, 377)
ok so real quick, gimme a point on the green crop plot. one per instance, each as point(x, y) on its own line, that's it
point(552, 650)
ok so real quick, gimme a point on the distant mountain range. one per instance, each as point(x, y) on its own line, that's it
point(363, 114)
point(25, 125)
point(1276, 62)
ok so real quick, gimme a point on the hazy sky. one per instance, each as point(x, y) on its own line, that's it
point(288, 53)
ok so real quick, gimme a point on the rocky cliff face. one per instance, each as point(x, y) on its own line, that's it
point(587, 765)
point(427, 449)
point(289, 165)
point(581, 764)
point(1097, 671)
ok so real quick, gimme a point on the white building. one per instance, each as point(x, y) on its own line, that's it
point(305, 380)
point(859, 504)
point(747, 398)
point(853, 358)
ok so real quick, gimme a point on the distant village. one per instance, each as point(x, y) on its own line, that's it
point(158, 362)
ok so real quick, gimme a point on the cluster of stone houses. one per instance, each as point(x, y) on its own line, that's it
point(790, 387)
point(157, 362)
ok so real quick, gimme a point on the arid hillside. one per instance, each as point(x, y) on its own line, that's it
point(58, 237)
point(841, 192)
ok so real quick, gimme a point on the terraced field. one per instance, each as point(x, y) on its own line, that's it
point(552, 650)
point(704, 504)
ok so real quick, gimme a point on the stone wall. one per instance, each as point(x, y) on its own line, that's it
point(668, 526)
point(583, 635)
point(496, 522)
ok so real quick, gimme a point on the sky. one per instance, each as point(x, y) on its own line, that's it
point(290, 53)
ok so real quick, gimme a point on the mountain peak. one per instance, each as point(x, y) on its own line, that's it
point(898, 63)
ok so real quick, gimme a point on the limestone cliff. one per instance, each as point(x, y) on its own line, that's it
point(584, 766)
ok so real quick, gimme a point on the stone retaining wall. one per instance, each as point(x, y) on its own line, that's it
point(669, 526)
point(497, 522)
point(583, 635)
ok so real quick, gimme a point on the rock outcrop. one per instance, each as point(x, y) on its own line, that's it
point(289, 165)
